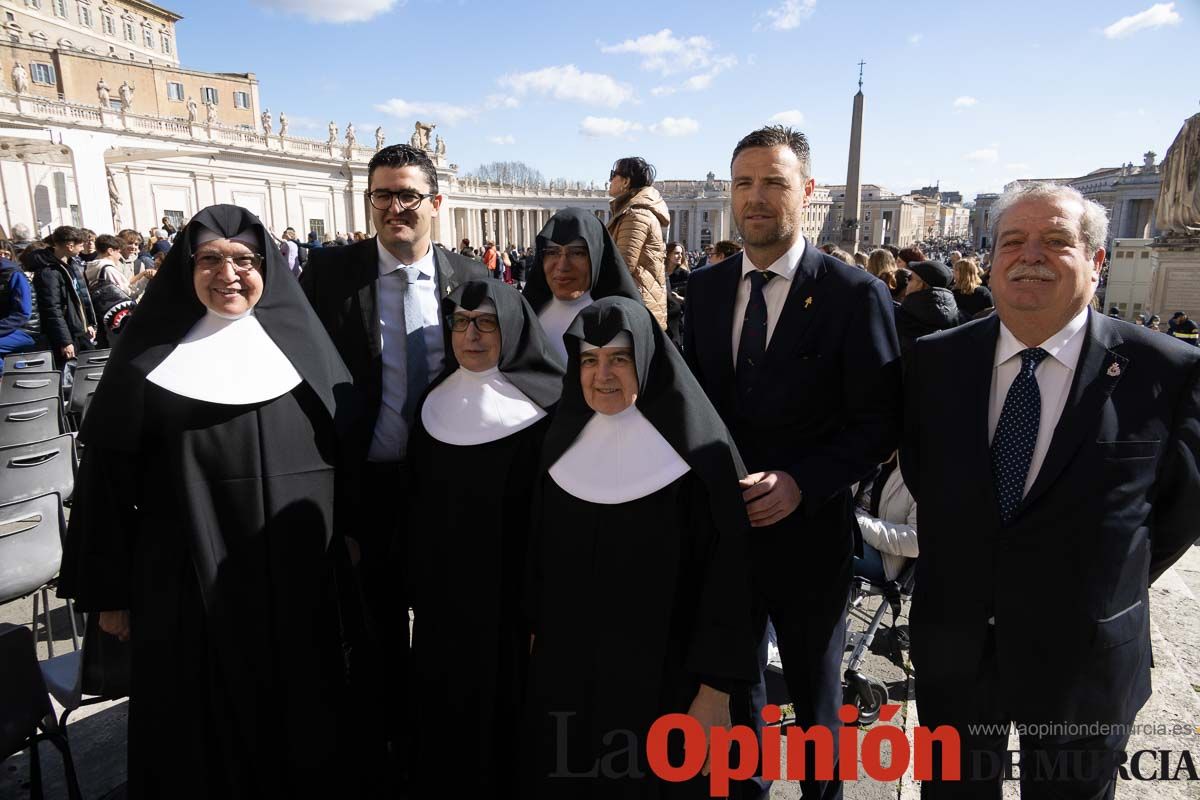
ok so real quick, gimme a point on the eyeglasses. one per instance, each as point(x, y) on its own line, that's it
point(613, 174)
point(485, 323)
point(574, 253)
point(242, 264)
point(382, 199)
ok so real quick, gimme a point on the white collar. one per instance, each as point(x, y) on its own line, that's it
point(558, 315)
point(1064, 346)
point(227, 361)
point(471, 408)
point(617, 458)
point(388, 263)
point(785, 266)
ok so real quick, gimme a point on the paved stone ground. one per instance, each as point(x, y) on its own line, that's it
point(97, 733)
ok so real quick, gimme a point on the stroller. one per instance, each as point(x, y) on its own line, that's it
point(865, 692)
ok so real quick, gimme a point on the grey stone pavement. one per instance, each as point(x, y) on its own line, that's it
point(97, 733)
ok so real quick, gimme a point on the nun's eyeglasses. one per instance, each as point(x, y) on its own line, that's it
point(484, 324)
point(242, 264)
point(382, 199)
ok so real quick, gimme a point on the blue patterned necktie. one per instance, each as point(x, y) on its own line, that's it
point(416, 355)
point(1016, 434)
point(752, 347)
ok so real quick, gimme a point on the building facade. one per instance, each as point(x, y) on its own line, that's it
point(121, 29)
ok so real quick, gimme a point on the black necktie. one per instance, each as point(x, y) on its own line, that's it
point(752, 348)
point(1016, 434)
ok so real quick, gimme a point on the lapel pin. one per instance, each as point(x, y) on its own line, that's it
point(807, 302)
point(1114, 370)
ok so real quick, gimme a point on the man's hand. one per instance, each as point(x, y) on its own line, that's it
point(769, 496)
point(91, 332)
point(354, 551)
point(711, 709)
point(67, 351)
point(115, 623)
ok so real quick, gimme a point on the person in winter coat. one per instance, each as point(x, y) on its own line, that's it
point(16, 307)
point(928, 305)
point(969, 292)
point(887, 517)
point(638, 216)
point(64, 316)
point(112, 295)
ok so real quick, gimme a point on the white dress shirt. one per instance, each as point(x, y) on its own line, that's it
point(1054, 376)
point(391, 431)
point(775, 292)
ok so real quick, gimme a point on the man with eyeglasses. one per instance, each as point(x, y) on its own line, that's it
point(379, 301)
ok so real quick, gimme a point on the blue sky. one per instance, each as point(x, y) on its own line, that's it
point(973, 94)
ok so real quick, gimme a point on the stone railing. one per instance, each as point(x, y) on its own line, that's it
point(95, 116)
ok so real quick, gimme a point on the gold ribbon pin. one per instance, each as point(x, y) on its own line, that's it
point(807, 302)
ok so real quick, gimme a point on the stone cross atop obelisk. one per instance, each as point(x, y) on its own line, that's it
point(852, 208)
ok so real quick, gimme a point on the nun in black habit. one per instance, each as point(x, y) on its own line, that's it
point(563, 279)
point(203, 527)
point(474, 452)
point(638, 596)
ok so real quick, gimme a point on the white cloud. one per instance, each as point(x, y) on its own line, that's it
point(568, 83)
point(665, 52)
point(966, 101)
point(608, 126)
point(698, 83)
point(1155, 16)
point(675, 126)
point(790, 117)
point(1019, 166)
point(438, 113)
point(916, 38)
point(789, 14)
point(341, 11)
point(495, 101)
point(988, 155)
point(662, 91)
point(506, 139)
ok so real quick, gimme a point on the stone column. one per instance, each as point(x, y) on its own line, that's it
point(503, 236)
point(91, 181)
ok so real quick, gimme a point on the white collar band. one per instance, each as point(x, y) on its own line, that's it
point(470, 408)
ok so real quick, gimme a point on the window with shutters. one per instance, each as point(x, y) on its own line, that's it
point(42, 73)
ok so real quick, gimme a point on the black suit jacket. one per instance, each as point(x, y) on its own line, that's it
point(827, 408)
point(1117, 501)
point(342, 285)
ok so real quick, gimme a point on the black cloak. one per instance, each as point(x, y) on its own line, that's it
point(634, 604)
point(468, 554)
point(214, 525)
point(610, 274)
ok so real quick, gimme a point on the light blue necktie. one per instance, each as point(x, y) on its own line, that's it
point(416, 354)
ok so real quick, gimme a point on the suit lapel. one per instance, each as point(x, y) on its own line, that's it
point(978, 367)
point(803, 301)
point(728, 273)
point(367, 271)
point(1097, 374)
point(444, 273)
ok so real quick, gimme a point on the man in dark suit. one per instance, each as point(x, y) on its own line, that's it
point(1053, 452)
point(798, 353)
point(379, 300)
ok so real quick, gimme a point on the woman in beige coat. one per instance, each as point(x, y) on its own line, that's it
point(638, 216)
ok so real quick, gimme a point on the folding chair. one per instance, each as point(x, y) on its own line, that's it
point(92, 358)
point(30, 421)
point(37, 468)
point(31, 552)
point(41, 361)
point(25, 707)
point(17, 387)
point(86, 381)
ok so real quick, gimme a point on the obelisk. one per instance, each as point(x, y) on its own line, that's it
point(852, 208)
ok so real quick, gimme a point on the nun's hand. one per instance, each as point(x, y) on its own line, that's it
point(115, 623)
point(711, 709)
point(769, 497)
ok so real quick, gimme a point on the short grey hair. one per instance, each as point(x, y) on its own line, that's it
point(1093, 221)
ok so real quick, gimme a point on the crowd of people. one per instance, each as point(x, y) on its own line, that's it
point(387, 517)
